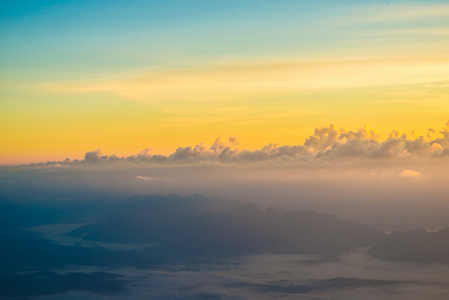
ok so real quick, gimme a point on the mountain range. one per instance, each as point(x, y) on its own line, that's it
point(198, 225)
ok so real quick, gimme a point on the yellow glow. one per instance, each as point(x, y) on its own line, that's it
point(260, 103)
point(243, 81)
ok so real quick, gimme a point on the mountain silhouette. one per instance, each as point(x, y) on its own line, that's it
point(414, 245)
point(197, 225)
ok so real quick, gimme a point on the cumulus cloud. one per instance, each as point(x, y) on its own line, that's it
point(93, 156)
point(325, 144)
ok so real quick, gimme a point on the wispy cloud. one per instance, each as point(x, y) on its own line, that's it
point(392, 12)
point(145, 178)
point(410, 173)
point(257, 78)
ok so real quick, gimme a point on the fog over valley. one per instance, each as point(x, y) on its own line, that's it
point(193, 247)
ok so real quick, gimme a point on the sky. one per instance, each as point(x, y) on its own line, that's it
point(124, 76)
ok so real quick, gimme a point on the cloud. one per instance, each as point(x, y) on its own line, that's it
point(146, 178)
point(93, 156)
point(227, 81)
point(410, 173)
point(399, 12)
point(326, 144)
point(349, 173)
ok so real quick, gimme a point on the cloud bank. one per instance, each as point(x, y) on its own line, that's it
point(327, 144)
point(393, 184)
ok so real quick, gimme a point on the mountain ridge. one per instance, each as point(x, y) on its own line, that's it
point(195, 224)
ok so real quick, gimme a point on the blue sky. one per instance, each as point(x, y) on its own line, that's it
point(127, 34)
